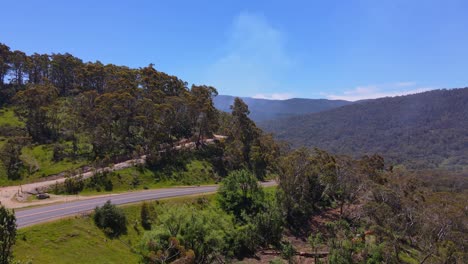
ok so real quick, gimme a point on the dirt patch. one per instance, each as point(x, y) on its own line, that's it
point(300, 243)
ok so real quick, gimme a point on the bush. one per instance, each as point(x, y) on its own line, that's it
point(110, 219)
point(145, 216)
point(341, 253)
point(166, 249)
point(241, 194)
point(245, 241)
point(58, 152)
point(288, 251)
point(268, 225)
point(74, 185)
point(206, 233)
point(375, 254)
point(101, 180)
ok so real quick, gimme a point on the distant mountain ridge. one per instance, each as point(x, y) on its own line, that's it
point(427, 130)
point(264, 109)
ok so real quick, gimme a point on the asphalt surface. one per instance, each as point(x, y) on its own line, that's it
point(32, 216)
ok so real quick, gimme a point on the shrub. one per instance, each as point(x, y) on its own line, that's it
point(110, 219)
point(145, 216)
point(241, 194)
point(101, 180)
point(375, 254)
point(74, 185)
point(206, 233)
point(268, 225)
point(341, 253)
point(288, 251)
point(58, 152)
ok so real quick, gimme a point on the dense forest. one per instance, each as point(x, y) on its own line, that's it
point(426, 130)
point(265, 109)
point(62, 113)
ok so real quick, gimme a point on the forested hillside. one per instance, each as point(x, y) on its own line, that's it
point(263, 109)
point(426, 130)
point(60, 113)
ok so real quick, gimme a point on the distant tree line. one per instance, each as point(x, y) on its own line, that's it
point(420, 131)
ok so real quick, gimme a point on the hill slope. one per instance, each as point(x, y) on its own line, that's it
point(422, 130)
point(263, 109)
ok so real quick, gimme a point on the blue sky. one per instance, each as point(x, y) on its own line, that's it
point(269, 49)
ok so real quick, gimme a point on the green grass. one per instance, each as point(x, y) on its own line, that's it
point(74, 240)
point(270, 190)
point(8, 118)
point(122, 182)
point(195, 172)
point(38, 163)
point(78, 240)
point(135, 178)
point(39, 160)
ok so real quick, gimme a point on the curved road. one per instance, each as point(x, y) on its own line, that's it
point(28, 217)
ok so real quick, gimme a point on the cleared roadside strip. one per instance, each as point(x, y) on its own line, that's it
point(28, 217)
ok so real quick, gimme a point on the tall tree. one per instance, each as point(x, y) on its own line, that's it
point(300, 187)
point(160, 84)
point(204, 113)
point(10, 156)
point(349, 183)
point(116, 131)
point(119, 78)
point(64, 72)
point(92, 76)
point(7, 234)
point(34, 104)
point(264, 155)
point(5, 54)
point(38, 68)
point(243, 129)
point(19, 61)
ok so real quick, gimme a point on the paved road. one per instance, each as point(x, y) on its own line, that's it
point(9, 194)
point(28, 217)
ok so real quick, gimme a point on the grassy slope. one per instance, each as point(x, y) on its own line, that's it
point(8, 118)
point(78, 240)
point(38, 163)
point(70, 240)
point(197, 172)
point(37, 159)
point(40, 157)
